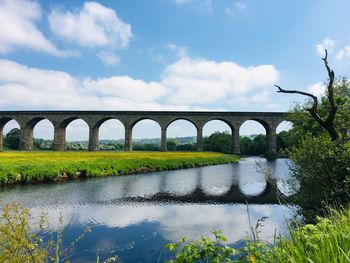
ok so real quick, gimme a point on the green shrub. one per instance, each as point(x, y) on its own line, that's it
point(326, 241)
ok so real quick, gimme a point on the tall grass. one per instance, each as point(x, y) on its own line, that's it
point(327, 241)
point(27, 167)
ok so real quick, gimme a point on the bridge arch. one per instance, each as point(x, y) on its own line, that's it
point(259, 129)
point(263, 122)
point(284, 139)
point(59, 143)
point(133, 123)
point(31, 123)
point(94, 130)
point(77, 130)
point(138, 131)
point(109, 129)
point(129, 125)
point(183, 124)
point(9, 123)
point(195, 124)
point(43, 133)
point(270, 124)
point(65, 122)
point(228, 123)
point(222, 126)
point(27, 129)
point(284, 125)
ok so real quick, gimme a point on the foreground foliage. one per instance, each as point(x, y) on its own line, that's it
point(320, 164)
point(21, 240)
point(326, 241)
point(25, 167)
point(322, 169)
point(321, 158)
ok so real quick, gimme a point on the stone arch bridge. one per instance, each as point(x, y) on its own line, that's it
point(60, 120)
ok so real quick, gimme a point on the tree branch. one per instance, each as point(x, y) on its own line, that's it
point(314, 98)
point(330, 89)
point(328, 124)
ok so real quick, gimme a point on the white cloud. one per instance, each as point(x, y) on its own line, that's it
point(18, 28)
point(273, 106)
point(258, 97)
point(126, 88)
point(30, 88)
point(318, 89)
point(94, 25)
point(240, 6)
point(187, 84)
point(108, 58)
point(343, 53)
point(328, 44)
point(200, 81)
point(180, 51)
point(237, 7)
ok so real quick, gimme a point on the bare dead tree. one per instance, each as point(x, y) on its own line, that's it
point(328, 123)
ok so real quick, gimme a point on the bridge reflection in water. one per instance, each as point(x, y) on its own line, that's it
point(215, 192)
point(150, 210)
point(220, 184)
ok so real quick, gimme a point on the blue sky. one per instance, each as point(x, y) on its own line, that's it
point(167, 55)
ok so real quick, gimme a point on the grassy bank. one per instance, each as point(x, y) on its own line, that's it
point(28, 167)
point(326, 241)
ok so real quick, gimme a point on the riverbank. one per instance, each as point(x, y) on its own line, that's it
point(326, 241)
point(32, 167)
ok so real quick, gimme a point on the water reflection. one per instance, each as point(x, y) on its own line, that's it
point(134, 216)
point(221, 182)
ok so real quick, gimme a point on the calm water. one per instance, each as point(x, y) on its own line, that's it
point(134, 216)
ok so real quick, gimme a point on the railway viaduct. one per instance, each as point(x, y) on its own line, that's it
point(60, 120)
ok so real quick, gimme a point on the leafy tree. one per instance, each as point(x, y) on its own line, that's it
point(218, 142)
point(188, 147)
point(12, 139)
point(244, 144)
point(43, 144)
point(171, 145)
point(285, 140)
point(258, 146)
point(321, 165)
point(146, 147)
point(321, 157)
point(222, 142)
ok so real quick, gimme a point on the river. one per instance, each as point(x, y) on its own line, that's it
point(134, 216)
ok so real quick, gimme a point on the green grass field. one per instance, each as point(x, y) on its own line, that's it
point(28, 167)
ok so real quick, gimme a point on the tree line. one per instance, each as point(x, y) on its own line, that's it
point(216, 142)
